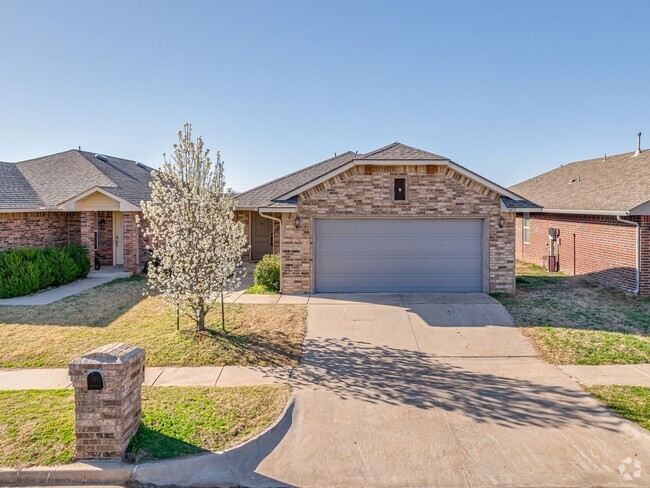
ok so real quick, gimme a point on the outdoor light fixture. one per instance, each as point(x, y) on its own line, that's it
point(102, 222)
point(502, 222)
point(297, 221)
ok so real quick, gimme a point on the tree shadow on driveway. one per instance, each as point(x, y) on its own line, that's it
point(511, 392)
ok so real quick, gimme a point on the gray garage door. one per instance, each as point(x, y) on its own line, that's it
point(398, 255)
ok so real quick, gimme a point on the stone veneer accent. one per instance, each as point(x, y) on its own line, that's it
point(106, 419)
point(434, 191)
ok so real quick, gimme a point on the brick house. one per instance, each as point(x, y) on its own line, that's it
point(601, 208)
point(394, 219)
point(75, 197)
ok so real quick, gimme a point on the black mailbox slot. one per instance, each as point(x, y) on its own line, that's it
point(95, 381)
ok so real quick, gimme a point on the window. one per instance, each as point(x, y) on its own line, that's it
point(399, 193)
point(96, 233)
point(526, 228)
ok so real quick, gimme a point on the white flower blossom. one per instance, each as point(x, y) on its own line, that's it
point(190, 228)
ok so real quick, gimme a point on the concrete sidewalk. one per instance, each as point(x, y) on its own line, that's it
point(612, 374)
point(46, 379)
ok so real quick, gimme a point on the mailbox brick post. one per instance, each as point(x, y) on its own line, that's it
point(107, 415)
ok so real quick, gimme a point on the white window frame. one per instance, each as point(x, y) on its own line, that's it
point(526, 229)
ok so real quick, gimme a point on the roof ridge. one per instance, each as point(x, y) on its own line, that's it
point(46, 156)
point(294, 173)
point(405, 146)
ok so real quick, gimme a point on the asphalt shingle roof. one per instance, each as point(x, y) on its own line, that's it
point(618, 183)
point(398, 151)
point(51, 180)
point(266, 195)
point(16, 191)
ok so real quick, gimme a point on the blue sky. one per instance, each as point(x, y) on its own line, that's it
point(508, 89)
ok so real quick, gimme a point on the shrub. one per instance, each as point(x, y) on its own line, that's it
point(267, 272)
point(79, 255)
point(26, 270)
point(64, 268)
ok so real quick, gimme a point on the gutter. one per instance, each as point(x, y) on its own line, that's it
point(276, 219)
point(638, 252)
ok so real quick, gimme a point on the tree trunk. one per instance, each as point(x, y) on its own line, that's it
point(200, 323)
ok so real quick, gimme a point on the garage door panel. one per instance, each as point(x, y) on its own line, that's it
point(381, 255)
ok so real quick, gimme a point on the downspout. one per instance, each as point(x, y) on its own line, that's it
point(638, 252)
point(266, 216)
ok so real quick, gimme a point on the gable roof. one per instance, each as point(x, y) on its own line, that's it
point(267, 195)
point(617, 184)
point(46, 182)
point(399, 151)
point(282, 193)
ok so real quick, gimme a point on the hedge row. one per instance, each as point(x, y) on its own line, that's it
point(29, 269)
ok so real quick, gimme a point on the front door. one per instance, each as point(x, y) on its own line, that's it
point(262, 237)
point(118, 239)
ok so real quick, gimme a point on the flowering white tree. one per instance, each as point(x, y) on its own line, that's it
point(189, 223)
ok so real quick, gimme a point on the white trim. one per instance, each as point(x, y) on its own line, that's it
point(30, 210)
point(401, 162)
point(125, 206)
point(277, 209)
point(614, 213)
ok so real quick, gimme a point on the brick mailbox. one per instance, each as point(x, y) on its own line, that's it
point(107, 386)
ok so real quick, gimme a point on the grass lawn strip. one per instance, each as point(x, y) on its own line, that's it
point(571, 320)
point(631, 402)
point(37, 426)
point(50, 336)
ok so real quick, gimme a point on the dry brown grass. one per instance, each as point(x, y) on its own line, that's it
point(51, 335)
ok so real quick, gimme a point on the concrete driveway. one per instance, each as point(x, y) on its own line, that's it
point(440, 390)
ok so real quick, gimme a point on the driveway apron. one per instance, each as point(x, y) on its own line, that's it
point(440, 390)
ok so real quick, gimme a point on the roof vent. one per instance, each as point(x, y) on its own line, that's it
point(101, 157)
point(638, 144)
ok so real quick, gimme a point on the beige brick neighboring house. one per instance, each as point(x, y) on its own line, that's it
point(601, 208)
point(75, 197)
point(394, 219)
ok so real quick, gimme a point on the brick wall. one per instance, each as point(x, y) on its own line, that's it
point(131, 243)
point(106, 419)
point(105, 238)
point(244, 216)
point(37, 229)
point(597, 246)
point(431, 192)
point(645, 255)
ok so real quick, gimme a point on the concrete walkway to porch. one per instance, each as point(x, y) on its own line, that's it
point(47, 379)
point(51, 295)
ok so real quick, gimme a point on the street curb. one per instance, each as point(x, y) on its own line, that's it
point(78, 472)
point(231, 464)
point(232, 467)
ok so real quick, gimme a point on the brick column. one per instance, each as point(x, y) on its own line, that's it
point(644, 288)
point(130, 242)
point(107, 391)
point(87, 223)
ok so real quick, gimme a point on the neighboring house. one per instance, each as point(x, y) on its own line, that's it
point(395, 219)
point(602, 210)
point(75, 197)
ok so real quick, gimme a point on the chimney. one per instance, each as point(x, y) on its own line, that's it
point(638, 144)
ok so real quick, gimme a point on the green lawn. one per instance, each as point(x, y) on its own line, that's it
point(37, 426)
point(631, 402)
point(575, 321)
point(50, 336)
